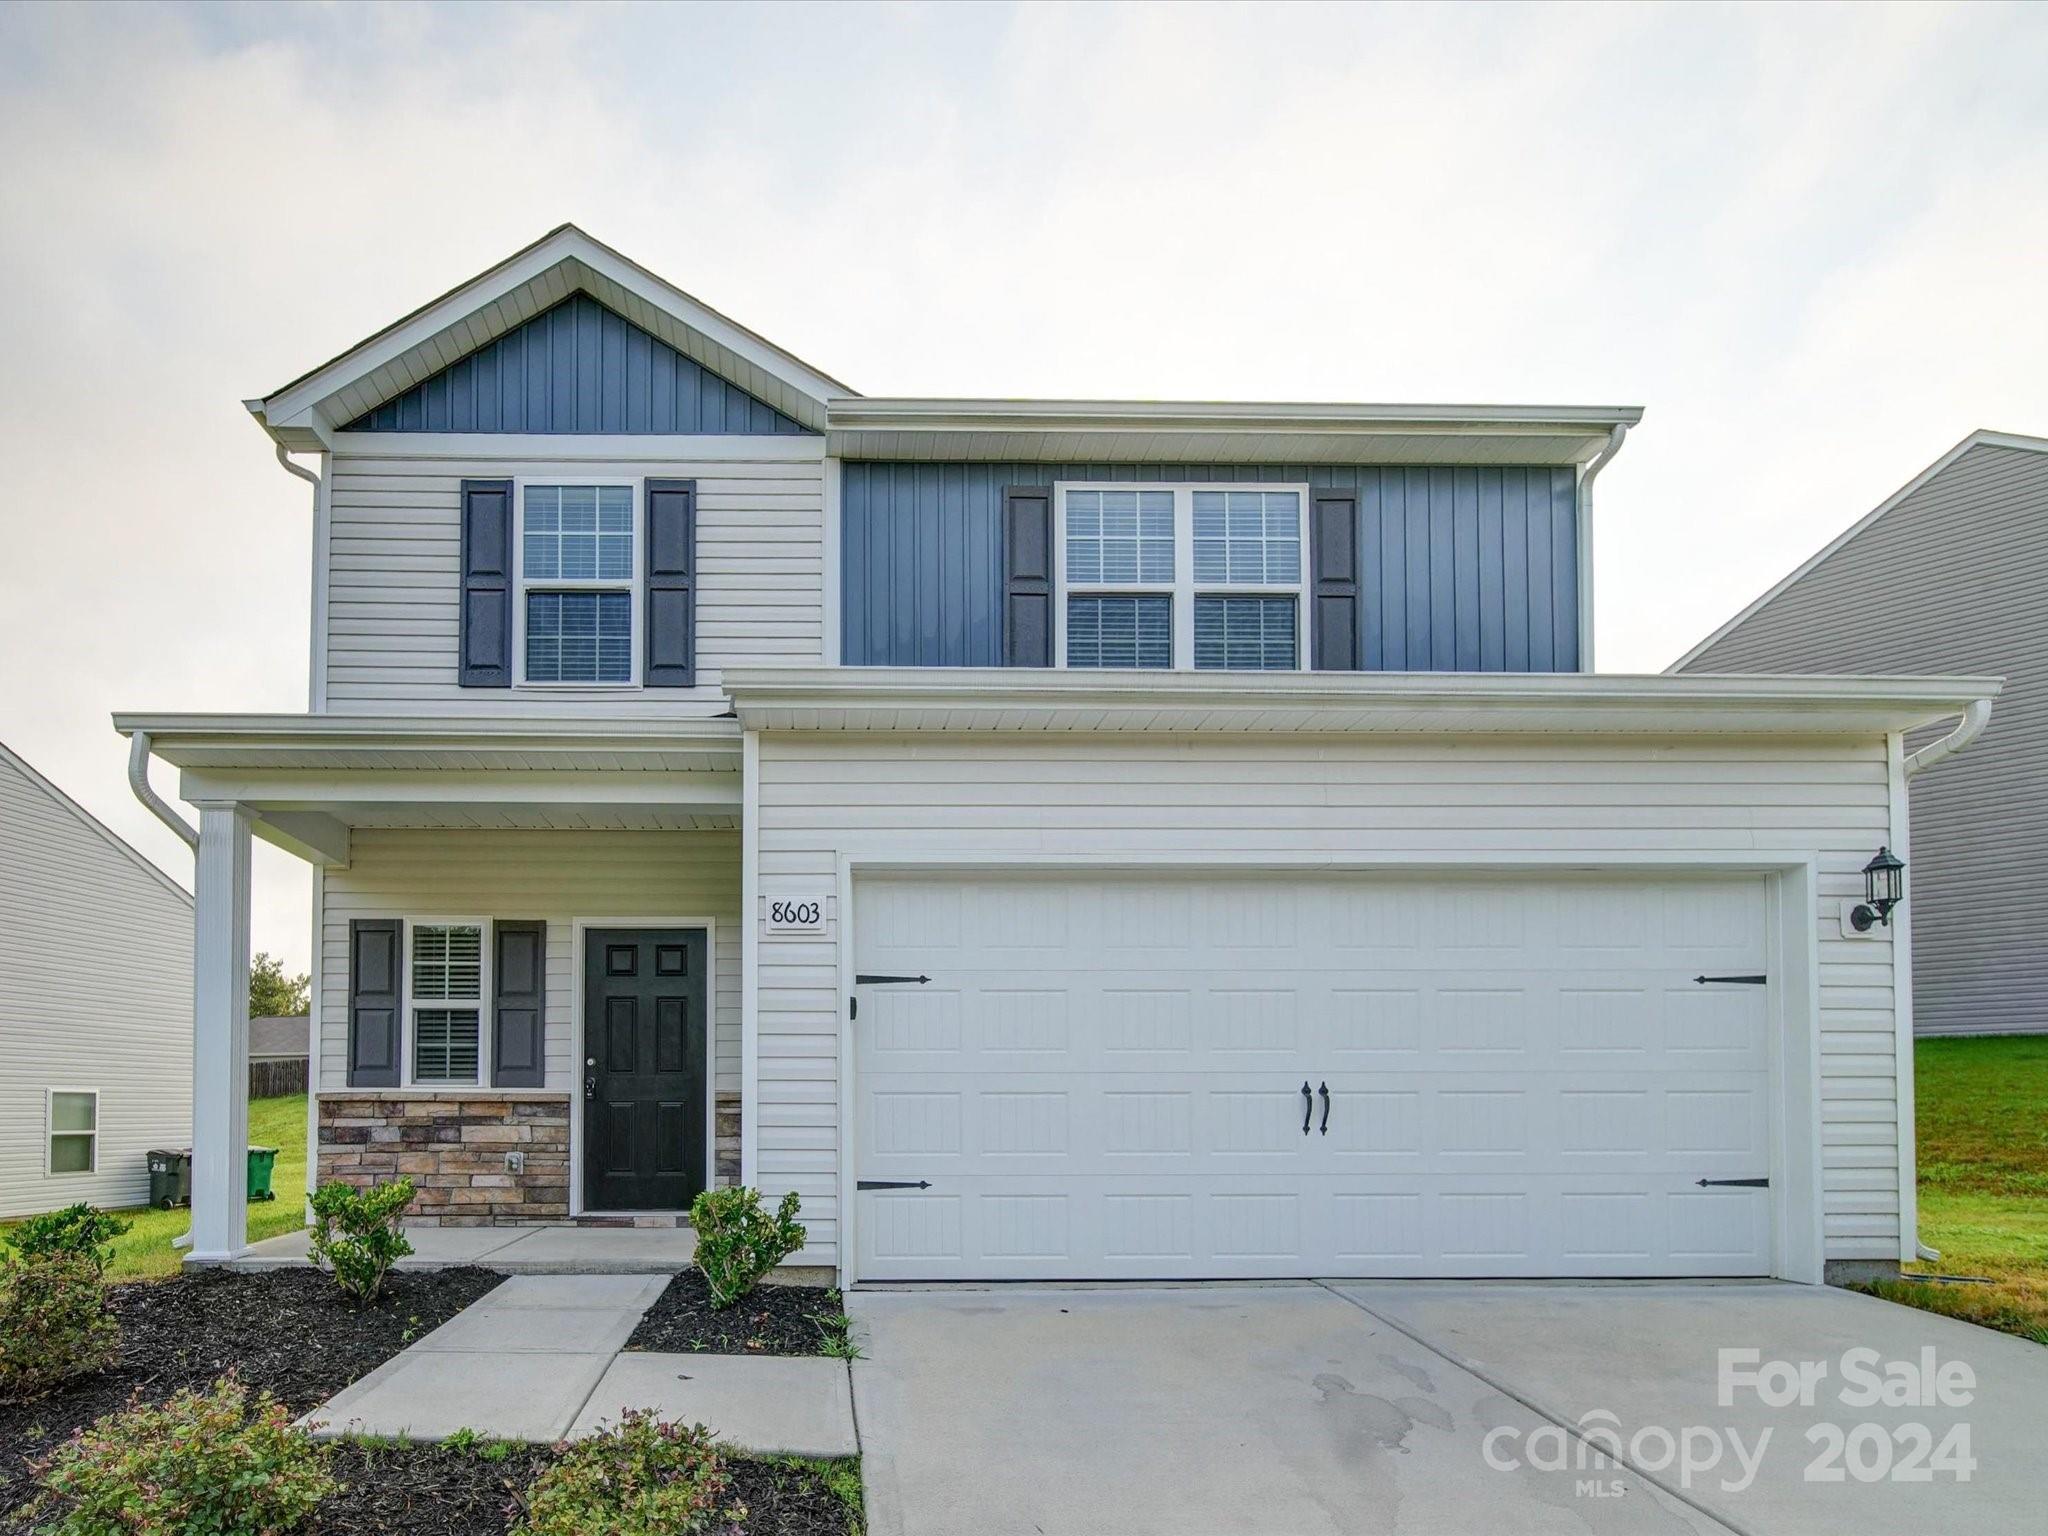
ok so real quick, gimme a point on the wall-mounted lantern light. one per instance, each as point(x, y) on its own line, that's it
point(1884, 887)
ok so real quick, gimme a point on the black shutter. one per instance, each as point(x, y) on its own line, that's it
point(671, 584)
point(486, 614)
point(1333, 628)
point(519, 1004)
point(373, 1031)
point(1027, 576)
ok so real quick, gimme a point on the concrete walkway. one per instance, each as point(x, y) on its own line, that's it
point(539, 1359)
point(514, 1250)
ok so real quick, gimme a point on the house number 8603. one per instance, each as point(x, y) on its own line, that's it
point(795, 914)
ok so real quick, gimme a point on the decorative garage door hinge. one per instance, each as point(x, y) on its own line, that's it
point(863, 979)
point(1740, 981)
point(1735, 1183)
point(891, 1184)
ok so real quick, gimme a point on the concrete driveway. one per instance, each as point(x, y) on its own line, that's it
point(1462, 1409)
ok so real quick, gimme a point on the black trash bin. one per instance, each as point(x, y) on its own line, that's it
point(170, 1177)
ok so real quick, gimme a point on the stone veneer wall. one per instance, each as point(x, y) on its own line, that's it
point(726, 1153)
point(453, 1147)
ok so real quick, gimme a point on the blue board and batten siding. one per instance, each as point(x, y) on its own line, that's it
point(1461, 569)
point(577, 367)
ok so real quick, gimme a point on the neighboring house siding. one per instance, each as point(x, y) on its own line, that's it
point(1953, 579)
point(555, 876)
point(577, 367)
point(394, 577)
point(1463, 569)
point(822, 797)
point(95, 992)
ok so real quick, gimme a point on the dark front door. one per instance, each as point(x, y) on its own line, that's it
point(646, 1049)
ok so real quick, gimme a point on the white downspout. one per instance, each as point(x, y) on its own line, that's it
point(1975, 718)
point(138, 780)
point(1592, 473)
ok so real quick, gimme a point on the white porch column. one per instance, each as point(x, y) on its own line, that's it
point(220, 1027)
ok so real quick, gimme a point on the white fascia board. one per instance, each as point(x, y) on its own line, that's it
point(1974, 440)
point(577, 448)
point(929, 414)
point(425, 730)
point(293, 404)
point(785, 698)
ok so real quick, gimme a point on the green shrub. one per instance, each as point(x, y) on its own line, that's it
point(738, 1242)
point(215, 1462)
point(356, 1236)
point(639, 1478)
point(76, 1229)
point(54, 1323)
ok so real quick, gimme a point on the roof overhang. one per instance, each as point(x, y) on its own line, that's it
point(1015, 700)
point(1164, 431)
point(309, 781)
point(304, 413)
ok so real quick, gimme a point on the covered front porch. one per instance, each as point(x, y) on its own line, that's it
point(525, 958)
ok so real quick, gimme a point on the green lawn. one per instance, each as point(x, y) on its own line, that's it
point(1982, 1118)
point(145, 1251)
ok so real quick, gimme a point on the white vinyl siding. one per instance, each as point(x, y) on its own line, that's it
point(554, 876)
point(394, 575)
point(95, 993)
point(1235, 800)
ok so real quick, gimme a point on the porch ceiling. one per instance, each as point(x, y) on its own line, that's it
point(309, 781)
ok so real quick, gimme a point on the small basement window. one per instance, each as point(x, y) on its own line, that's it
point(446, 1003)
point(74, 1122)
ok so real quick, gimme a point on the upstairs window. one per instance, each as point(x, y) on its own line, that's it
point(1159, 578)
point(446, 1002)
point(577, 599)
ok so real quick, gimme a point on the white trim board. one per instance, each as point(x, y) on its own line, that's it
point(1798, 1238)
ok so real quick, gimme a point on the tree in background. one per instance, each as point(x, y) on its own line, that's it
point(272, 994)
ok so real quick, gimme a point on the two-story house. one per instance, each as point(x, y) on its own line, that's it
point(1056, 838)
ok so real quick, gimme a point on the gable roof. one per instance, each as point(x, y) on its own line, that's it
point(578, 367)
point(563, 262)
point(403, 361)
point(1982, 437)
point(148, 866)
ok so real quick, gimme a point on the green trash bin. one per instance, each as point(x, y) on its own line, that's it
point(261, 1161)
point(170, 1177)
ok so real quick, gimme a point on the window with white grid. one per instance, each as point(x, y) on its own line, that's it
point(576, 580)
point(446, 980)
point(1161, 577)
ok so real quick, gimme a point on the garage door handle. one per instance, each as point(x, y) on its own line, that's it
point(1308, 1106)
point(1324, 1090)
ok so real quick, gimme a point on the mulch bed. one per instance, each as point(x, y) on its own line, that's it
point(774, 1320)
point(287, 1331)
point(439, 1490)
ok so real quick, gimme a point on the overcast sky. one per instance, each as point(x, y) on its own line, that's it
point(1811, 241)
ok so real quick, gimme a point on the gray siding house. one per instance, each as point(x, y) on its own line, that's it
point(95, 1004)
point(1056, 838)
point(1948, 575)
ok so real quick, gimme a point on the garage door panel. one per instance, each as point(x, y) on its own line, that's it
point(1103, 1077)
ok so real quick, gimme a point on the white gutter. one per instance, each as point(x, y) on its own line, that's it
point(305, 474)
point(138, 780)
point(1975, 718)
point(1615, 439)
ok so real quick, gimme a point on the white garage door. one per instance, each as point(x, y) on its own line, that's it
point(1104, 1077)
